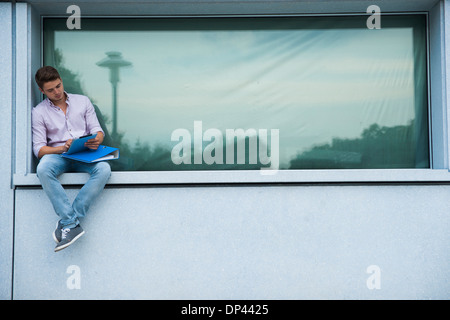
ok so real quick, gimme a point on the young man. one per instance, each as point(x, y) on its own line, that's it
point(56, 121)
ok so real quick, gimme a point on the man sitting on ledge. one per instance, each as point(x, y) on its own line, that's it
point(56, 121)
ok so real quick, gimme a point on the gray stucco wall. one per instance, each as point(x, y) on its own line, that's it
point(245, 242)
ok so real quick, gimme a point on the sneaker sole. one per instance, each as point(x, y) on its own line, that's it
point(54, 235)
point(54, 238)
point(69, 243)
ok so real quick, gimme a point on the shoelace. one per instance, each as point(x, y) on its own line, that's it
point(64, 233)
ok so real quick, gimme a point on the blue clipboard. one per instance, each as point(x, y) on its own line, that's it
point(78, 144)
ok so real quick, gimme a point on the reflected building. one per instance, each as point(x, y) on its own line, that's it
point(114, 62)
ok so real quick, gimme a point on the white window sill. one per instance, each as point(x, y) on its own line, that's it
point(237, 177)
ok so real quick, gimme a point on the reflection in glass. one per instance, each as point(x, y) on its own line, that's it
point(114, 62)
point(341, 95)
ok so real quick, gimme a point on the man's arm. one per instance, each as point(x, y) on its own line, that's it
point(93, 125)
point(54, 150)
point(40, 147)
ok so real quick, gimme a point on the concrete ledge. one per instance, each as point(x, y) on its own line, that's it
point(256, 176)
point(202, 7)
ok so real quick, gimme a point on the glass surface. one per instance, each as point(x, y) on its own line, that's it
point(245, 93)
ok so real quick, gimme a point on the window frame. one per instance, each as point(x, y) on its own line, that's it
point(438, 171)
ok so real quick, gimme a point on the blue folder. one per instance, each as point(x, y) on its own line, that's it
point(103, 153)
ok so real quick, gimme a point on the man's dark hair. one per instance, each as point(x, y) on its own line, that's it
point(46, 74)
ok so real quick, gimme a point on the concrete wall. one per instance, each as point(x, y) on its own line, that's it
point(246, 242)
point(6, 191)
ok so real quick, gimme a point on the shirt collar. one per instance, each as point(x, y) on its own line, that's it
point(50, 103)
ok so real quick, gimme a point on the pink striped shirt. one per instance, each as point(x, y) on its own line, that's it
point(51, 127)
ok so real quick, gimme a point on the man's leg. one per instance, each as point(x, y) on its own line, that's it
point(99, 175)
point(49, 168)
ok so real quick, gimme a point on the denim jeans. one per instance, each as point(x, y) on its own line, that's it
point(51, 166)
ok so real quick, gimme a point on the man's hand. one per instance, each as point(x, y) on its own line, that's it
point(94, 143)
point(67, 145)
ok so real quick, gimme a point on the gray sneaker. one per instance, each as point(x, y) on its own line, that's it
point(69, 236)
point(57, 232)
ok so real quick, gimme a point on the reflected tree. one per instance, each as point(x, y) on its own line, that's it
point(378, 147)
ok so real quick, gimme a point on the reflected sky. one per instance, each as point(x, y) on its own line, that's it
point(312, 85)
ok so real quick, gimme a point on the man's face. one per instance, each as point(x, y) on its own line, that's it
point(54, 90)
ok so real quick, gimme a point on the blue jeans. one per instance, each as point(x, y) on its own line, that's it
point(51, 166)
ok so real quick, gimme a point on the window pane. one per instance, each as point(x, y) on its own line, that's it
point(246, 93)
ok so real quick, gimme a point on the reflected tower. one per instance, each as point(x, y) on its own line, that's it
point(114, 62)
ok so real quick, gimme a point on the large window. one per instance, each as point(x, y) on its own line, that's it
point(246, 93)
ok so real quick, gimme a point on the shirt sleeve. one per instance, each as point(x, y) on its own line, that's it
point(39, 131)
point(92, 123)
